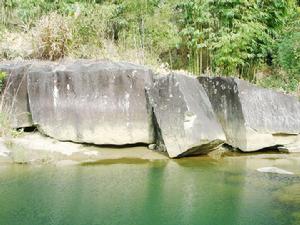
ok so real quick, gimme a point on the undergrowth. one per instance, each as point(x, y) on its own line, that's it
point(200, 36)
point(5, 111)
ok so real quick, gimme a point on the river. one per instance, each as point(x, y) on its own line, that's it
point(188, 191)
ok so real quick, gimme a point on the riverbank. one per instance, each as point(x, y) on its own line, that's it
point(36, 149)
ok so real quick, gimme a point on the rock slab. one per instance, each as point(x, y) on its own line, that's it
point(184, 118)
point(99, 102)
point(253, 118)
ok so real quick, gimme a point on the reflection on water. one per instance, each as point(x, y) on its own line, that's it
point(186, 191)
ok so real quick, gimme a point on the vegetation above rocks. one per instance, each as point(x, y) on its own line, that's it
point(257, 40)
point(2, 79)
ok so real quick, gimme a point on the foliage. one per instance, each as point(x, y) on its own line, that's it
point(147, 26)
point(289, 50)
point(289, 55)
point(90, 27)
point(280, 82)
point(234, 36)
point(2, 80)
point(226, 37)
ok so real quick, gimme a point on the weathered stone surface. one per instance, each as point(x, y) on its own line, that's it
point(14, 99)
point(186, 123)
point(98, 102)
point(254, 118)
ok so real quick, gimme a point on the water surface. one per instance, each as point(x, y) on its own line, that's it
point(188, 191)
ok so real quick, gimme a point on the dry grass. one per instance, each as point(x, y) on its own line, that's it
point(6, 109)
point(55, 37)
point(16, 45)
point(51, 36)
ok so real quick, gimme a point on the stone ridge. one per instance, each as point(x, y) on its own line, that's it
point(119, 103)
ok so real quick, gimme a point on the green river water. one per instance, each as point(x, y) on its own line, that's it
point(128, 192)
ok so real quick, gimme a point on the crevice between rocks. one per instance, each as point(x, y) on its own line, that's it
point(203, 149)
point(157, 133)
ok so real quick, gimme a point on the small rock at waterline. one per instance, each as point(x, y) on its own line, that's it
point(4, 152)
point(152, 146)
point(274, 170)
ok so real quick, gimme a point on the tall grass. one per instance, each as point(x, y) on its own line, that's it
point(7, 103)
point(51, 37)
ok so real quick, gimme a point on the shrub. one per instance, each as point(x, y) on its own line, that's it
point(51, 37)
point(2, 79)
point(5, 110)
point(15, 45)
point(91, 28)
point(289, 54)
point(280, 81)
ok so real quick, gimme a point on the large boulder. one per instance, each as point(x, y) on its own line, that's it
point(14, 97)
point(184, 118)
point(98, 102)
point(254, 118)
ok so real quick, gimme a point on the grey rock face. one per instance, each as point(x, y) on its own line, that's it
point(253, 118)
point(186, 123)
point(14, 99)
point(98, 102)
